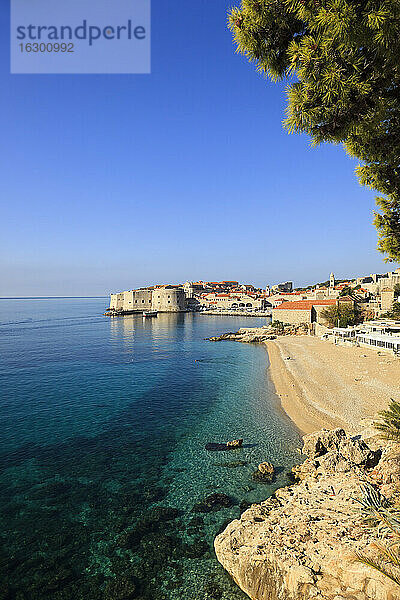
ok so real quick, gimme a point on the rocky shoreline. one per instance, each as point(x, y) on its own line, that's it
point(261, 334)
point(300, 544)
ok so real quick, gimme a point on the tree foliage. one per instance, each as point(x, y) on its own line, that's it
point(341, 59)
point(389, 421)
point(346, 291)
point(341, 315)
point(378, 513)
point(394, 313)
point(279, 326)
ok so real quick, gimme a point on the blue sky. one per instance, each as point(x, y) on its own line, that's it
point(110, 182)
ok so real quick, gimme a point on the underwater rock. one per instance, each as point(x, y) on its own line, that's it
point(129, 539)
point(163, 513)
point(212, 591)
point(153, 493)
point(265, 472)
point(244, 505)
point(196, 522)
point(151, 522)
point(233, 465)
point(215, 446)
point(197, 549)
point(52, 489)
point(122, 588)
point(195, 525)
point(213, 502)
point(224, 446)
point(159, 548)
point(5, 591)
point(58, 578)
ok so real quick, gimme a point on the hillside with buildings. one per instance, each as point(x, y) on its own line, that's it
point(372, 295)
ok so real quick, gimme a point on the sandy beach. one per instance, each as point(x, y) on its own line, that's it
point(323, 385)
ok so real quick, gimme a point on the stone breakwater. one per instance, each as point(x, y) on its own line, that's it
point(260, 334)
point(300, 543)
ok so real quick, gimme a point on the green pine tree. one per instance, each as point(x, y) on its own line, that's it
point(341, 315)
point(341, 60)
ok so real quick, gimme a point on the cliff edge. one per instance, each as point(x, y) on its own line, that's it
point(300, 543)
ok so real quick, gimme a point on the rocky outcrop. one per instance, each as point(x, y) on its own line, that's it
point(265, 472)
point(332, 451)
point(234, 444)
point(248, 335)
point(300, 543)
point(261, 334)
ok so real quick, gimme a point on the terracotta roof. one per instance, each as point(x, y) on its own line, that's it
point(340, 286)
point(304, 304)
point(292, 293)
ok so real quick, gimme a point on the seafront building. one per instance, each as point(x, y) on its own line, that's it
point(166, 298)
point(307, 311)
point(300, 311)
point(378, 335)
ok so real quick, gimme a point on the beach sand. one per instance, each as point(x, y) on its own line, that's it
point(323, 385)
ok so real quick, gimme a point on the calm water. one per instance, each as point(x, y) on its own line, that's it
point(102, 459)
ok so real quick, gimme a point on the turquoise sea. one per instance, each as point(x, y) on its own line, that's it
point(103, 467)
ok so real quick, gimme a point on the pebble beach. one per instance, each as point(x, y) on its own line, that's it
point(323, 385)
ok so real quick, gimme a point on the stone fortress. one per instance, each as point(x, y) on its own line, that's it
point(191, 296)
point(166, 298)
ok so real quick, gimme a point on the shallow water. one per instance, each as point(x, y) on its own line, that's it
point(102, 459)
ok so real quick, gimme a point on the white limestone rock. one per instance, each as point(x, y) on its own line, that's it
point(300, 543)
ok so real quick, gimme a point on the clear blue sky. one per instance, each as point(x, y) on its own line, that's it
point(110, 182)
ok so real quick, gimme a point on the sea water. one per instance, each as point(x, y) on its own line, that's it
point(103, 466)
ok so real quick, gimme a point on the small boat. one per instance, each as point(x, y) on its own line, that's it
point(149, 313)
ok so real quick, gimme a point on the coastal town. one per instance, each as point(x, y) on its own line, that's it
point(374, 295)
point(352, 311)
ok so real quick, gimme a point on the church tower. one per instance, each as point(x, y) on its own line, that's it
point(332, 281)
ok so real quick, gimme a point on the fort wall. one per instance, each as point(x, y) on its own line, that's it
point(169, 299)
point(164, 299)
